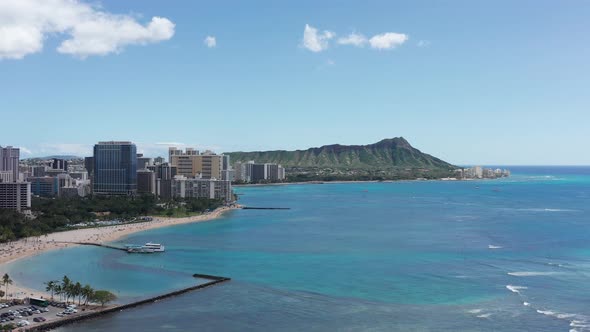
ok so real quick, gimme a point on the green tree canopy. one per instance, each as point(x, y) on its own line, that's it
point(103, 297)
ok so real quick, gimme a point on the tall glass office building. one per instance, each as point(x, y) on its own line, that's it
point(115, 168)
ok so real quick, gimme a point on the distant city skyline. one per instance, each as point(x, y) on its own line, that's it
point(158, 150)
point(502, 83)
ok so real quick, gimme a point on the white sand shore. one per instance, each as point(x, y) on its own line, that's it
point(10, 252)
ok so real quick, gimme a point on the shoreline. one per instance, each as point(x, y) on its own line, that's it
point(33, 246)
point(358, 181)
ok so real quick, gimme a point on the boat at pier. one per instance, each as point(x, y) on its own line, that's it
point(147, 248)
point(155, 246)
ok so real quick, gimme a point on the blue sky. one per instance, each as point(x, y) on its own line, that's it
point(471, 82)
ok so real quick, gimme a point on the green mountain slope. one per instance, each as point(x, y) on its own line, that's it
point(386, 154)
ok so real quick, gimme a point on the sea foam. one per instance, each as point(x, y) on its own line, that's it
point(532, 273)
point(546, 312)
point(578, 324)
point(515, 289)
point(547, 210)
point(491, 246)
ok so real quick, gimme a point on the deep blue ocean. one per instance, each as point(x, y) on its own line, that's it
point(492, 255)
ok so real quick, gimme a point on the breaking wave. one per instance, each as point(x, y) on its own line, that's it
point(533, 273)
point(515, 289)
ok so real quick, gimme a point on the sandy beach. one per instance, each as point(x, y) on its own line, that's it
point(27, 247)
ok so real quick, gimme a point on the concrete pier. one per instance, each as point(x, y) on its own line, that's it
point(96, 244)
point(96, 314)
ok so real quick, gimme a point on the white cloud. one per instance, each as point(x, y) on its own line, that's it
point(315, 41)
point(104, 36)
point(161, 148)
point(423, 43)
point(326, 64)
point(25, 24)
point(75, 149)
point(149, 149)
point(210, 41)
point(354, 39)
point(16, 41)
point(387, 40)
point(24, 150)
point(170, 143)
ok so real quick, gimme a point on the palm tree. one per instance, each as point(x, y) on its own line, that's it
point(58, 290)
point(66, 287)
point(6, 281)
point(51, 287)
point(77, 290)
point(87, 292)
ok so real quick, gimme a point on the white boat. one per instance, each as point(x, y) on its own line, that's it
point(155, 246)
point(147, 248)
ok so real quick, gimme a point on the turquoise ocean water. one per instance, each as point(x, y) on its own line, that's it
point(497, 255)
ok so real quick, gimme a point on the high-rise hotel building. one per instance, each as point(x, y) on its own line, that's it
point(14, 194)
point(253, 172)
point(9, 158)
point(115, 168)
point(191, 163)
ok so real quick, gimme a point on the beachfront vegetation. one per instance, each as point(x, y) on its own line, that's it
point(68, 289)
point(54, 214)
point(186, 207)
point(309, 174)
point(6, 281)
point(103, 297)
point(7, 327)
point(50, 286)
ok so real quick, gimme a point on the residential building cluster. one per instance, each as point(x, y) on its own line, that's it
point(251, 172)
point(478, 172)
point(56, 177)
point(115, 168)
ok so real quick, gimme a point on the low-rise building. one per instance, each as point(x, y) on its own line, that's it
point(84, 188)
point(479, 172)
point(79, 175)
point(44, 186)
point(38, 170)
point(69, 192)
point(55, 172)
point(59, 164)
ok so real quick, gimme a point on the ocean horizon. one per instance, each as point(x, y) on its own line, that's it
point(508, 254)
